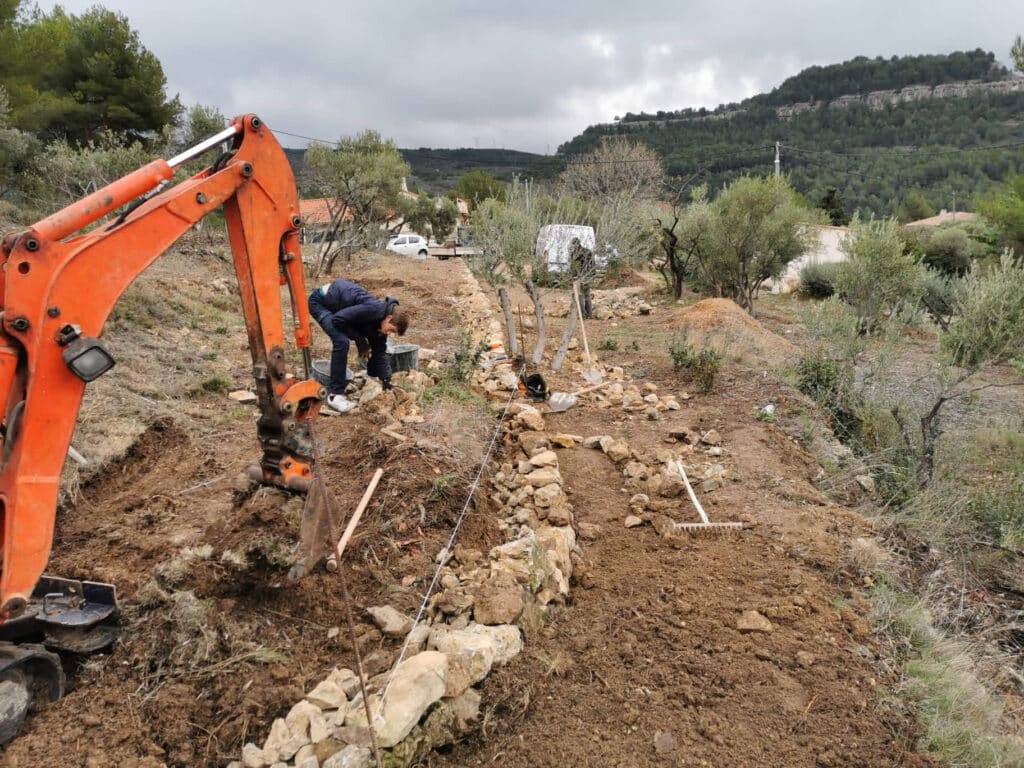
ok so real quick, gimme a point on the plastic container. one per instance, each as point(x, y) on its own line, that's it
point(322, 372)
point(404, 357)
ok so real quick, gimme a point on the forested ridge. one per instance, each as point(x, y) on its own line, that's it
point(940, 147)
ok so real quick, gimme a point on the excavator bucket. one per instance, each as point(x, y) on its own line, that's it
point(319, 529)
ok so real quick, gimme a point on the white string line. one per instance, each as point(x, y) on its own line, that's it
point(451, 542)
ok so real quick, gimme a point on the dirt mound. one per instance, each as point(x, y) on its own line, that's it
point(722, 325)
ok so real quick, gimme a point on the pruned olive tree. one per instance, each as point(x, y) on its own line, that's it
point(360, 178)
point(755, 228)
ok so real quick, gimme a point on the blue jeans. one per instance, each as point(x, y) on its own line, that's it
point(339, 339)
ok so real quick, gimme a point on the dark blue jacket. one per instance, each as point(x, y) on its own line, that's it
point(353, 310)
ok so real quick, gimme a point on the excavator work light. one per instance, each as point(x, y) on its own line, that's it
point(87, 358)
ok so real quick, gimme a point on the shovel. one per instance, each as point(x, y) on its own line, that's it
point(590, 376)
point(563, 401)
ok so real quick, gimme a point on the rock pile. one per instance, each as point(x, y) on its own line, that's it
point(620, 302)
point(473, 621)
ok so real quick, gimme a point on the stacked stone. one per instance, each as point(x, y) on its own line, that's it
point(620, 302)
point(473, 621)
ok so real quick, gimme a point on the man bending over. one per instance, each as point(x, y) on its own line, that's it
point(347, 312)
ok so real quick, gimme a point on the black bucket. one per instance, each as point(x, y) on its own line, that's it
point(404, 357)
point(322, 373)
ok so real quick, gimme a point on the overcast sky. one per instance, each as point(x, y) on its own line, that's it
point(521, 74)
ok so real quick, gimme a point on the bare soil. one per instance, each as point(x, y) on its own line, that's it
point(645, 665)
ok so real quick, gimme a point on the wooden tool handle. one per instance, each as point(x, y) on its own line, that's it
point(584, 391)
point(334, 559)
point(583, 326)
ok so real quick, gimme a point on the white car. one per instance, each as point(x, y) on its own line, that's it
point(409, 245)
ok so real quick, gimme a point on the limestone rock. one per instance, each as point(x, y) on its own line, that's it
point(616, 450)
point(595, 441)
point(418, 682)
point(243, 396)
point(752, 621)
point(632, 521)
point(350, 757)
point(544, 459)
point(478, 646)
point(499, 600)
point(524, 559)
point(563, 440)
point(549, 496)
point(543, 476)
point(281, 744)
point(559, 514)
point(390, 621)
point(253, 757)
point(466, 708)
point(711, 437)
point(635, 469)
point(533, 443)
point(328, 695)
point(530, 419)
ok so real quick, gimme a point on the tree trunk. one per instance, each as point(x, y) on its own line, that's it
point(570, 326)
point(510, 323)
point(538, 311)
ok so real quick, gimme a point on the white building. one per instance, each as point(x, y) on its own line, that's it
point(825, 251)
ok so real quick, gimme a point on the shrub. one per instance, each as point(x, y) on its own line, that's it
point(701, 367)
point(879, 273)
point(818, 281)
point(465, 359)
point(609, 344)
point(990, 315)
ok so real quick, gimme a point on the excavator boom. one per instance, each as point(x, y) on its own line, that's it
point(59, 281)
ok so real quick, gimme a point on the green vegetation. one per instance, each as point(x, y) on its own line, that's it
point(818, 281)
point(700, 366)
point(70, 76)
point(608, 344)
point(859, 151)
point(879, 273)
point(963, 720)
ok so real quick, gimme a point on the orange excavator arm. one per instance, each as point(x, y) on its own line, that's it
point(58, 289)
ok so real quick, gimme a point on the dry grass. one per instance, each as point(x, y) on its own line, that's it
point(952, 684)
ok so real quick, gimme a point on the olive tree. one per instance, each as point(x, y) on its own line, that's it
point(880, 273)
point(361, 178)
point(755, 228)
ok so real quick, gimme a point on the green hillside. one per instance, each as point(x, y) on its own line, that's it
point(874, 152)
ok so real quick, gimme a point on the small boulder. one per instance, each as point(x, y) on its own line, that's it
point(499, 600)
point(391, 622)
point(752, 621)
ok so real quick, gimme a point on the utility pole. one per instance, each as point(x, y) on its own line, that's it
point(778, 161)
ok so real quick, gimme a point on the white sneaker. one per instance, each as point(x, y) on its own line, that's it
point(340, 403)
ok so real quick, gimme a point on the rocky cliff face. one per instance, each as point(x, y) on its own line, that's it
point(873, 99)
point(882, 99)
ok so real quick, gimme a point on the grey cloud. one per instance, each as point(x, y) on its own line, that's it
point(524, 74)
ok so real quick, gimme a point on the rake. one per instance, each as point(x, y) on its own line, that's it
point(705, 526)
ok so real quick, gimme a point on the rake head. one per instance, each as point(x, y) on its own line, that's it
point(707, 529)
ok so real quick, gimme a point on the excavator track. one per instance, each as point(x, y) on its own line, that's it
point(30, 678)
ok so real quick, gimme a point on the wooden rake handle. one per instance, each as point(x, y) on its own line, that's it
point(335, 558)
